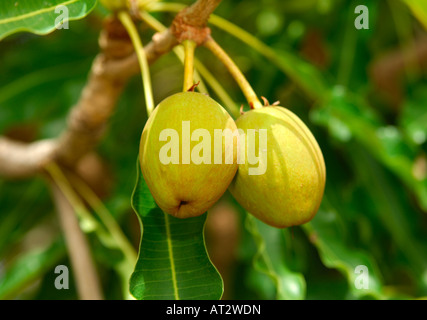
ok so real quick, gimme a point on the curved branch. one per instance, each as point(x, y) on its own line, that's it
point(20, 160)
point(88, 119)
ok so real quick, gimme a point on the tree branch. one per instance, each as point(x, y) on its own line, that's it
point(108, 76)
point(197, 15)
point(20, 160)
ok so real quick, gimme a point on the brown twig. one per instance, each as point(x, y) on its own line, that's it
point(197, 15)
point(191, 23)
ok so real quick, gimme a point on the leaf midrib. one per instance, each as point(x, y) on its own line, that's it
point(171, 258)
point(34, 13)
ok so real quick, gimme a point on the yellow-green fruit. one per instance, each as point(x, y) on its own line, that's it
point(185, 161)
point(290, 190)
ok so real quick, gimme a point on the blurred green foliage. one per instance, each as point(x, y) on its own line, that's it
point(367, 111)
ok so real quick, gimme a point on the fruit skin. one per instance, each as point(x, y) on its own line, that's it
point(290, 191)
point(186, 190)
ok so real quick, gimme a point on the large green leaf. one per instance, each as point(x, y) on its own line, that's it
point(39, 16)
point(173, 263)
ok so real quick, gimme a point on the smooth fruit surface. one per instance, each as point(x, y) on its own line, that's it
point(187, 187)
point(291, 189)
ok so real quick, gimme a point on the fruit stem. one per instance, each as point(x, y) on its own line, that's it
point(127, 22)
point(199, 71)
point(218, 89)
point(244, 85)
point(189, 47)
point(156, 25)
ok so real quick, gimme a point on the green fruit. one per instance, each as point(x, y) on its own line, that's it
point(291, 189)
point(186, 176)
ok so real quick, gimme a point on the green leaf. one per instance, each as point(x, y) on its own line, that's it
point(413, 118)
point(18, 217)
point(269, 259)
point(392, 208)
point(385, 142)
point(324, 232)
point(29, 267)
point(39, 16)
point(173, 263)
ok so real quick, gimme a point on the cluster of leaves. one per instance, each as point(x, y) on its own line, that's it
point(308, 55)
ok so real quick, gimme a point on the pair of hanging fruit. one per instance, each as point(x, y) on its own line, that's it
point(188, 164)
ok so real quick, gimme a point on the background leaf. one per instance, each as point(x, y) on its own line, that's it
point(347, 116)
point(29, 267)
point(419, 9)
point(270, 259)
point(324, 232)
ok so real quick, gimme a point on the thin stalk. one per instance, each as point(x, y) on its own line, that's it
point(165, 6)
point(111, 235)
point(83, 266)
point(106, 217)
point(126, 267)
point(189, 47)
point(127, 22)
point(238, 76)
point(179, 52)
point(218, 89)
point(88, 223)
